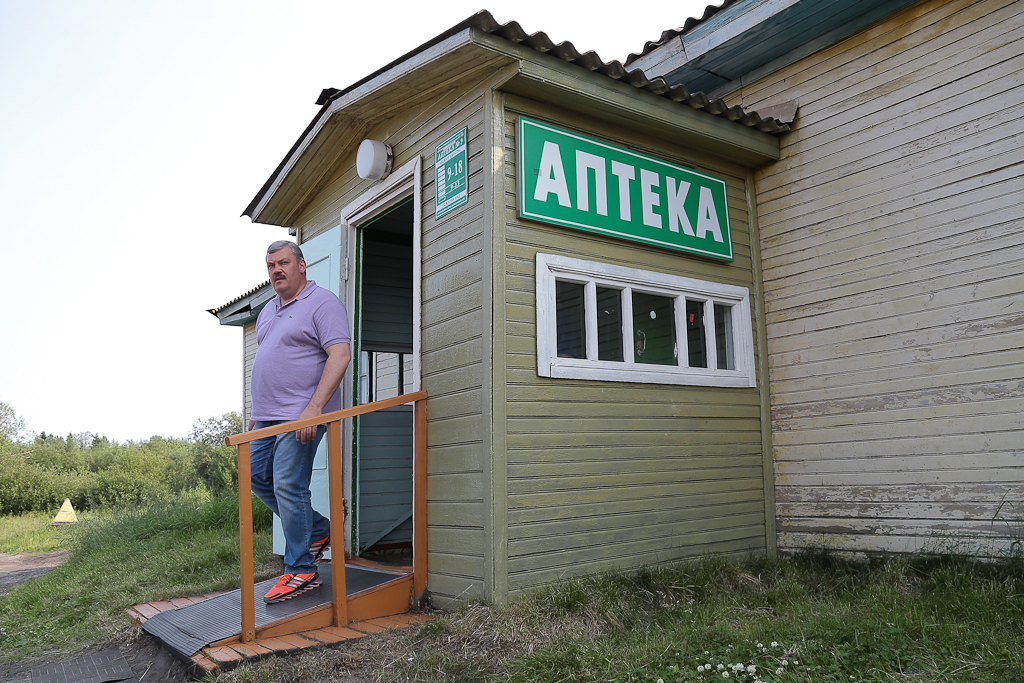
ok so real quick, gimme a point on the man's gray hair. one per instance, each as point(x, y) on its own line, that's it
point(281, 244)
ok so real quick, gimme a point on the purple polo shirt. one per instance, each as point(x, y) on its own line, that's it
point(292, 352)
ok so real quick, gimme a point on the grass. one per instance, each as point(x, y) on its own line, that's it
point(809, 618)
point(31, 533)
point(120, 559)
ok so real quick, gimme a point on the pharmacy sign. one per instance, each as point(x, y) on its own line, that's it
point(580, 182)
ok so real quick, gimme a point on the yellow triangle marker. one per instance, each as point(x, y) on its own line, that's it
point(66, 515)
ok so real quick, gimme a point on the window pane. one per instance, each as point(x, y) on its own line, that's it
point(572, 336)
point(654, 329)
point(695, 334)
point(609, 324)
point(723, 337)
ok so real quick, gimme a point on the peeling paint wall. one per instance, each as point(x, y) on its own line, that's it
point(893, 247)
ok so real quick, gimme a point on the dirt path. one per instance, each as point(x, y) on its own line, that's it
point(145, 656)
point(148, 659)
point(15, 569)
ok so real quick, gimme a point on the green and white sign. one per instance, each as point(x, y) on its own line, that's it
point(452, 174)
point(579, 182)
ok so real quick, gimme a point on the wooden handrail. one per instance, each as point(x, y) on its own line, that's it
point(333, 421)
point(283, 428)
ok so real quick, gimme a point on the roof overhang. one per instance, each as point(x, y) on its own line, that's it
point(245, 308)
point(744, 40)
point(528, 65)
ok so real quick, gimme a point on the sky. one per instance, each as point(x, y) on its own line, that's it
point(133, 135)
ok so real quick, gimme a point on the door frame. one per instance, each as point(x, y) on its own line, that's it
point(402, 182)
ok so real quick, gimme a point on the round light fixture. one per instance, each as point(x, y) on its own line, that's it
point(373, 160)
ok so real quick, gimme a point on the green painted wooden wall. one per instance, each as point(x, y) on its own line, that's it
point(612, 475)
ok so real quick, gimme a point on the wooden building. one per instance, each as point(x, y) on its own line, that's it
point(830, 310)
point(892, 245)
point(531, 185)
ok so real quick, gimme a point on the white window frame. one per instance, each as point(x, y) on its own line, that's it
point(592, 274)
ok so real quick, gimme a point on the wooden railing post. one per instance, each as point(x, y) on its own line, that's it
point(419, 499)
point(337, 501)
point(248, 588)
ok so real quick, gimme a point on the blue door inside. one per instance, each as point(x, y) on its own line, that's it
point(322, 255)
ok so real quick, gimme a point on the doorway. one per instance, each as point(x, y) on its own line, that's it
point(384, 365)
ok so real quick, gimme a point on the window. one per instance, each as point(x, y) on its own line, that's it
point(604, 322)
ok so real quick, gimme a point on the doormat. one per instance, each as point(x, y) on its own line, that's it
point(98, 667)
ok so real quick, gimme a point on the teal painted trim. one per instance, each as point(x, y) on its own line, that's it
point(748, 36)
point(354, 369)
point(246, 308)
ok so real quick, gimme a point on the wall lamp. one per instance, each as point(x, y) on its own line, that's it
point(373, 160)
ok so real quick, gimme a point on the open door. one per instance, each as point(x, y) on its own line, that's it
point(383, 441)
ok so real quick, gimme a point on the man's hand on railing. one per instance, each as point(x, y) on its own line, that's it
point(306, 434)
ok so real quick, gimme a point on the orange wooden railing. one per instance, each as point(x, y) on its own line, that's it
point(334, 484)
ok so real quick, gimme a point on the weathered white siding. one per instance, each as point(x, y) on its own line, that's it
point(248, 357)
point(893, 247)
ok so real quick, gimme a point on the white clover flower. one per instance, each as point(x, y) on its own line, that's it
point(700, 669)
point(751, 669)
point(720, 667)
point(661, 680)
point(785, 662)
point(775, 643)
point(760, 645)
point(780, 670)
point(707, 652)
point(725, 674)
point(795, 662)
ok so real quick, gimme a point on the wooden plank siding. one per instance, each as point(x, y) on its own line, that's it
point(454, 334)
point(248, 358)
point(891, 236)
point(610, 475)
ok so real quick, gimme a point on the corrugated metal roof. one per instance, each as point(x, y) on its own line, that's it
point(540, 42)
point(650, 46)
point(252, 291)
point(567, 52)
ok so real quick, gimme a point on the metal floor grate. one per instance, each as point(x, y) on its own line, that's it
point(98, 667)
point(187, 630)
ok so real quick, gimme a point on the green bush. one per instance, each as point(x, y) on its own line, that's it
point(27, 488)
point(92, 471)
point(134, 479)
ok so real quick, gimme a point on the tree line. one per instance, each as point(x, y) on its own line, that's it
point(38, 471)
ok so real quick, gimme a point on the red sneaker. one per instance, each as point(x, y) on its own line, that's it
point(318, 548)
point(290, 585)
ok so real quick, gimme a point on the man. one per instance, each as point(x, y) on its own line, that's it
point(303, 351)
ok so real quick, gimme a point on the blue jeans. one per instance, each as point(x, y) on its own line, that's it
point(281, 471)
